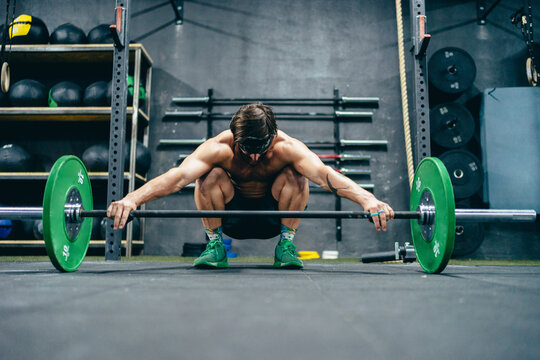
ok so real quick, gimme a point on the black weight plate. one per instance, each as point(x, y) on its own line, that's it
point(469, 237)
point(451, 70)
point(465, 171)
point(452, 125)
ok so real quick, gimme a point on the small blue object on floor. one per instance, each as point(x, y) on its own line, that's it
point(228, 247)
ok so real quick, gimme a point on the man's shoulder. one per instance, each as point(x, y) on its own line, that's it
point(222, 140)
point(286, 141)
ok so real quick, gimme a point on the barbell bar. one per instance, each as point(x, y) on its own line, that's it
point(463, 215)
point(312, 143)
point(344, 100)
point(201, 115)
point(68, 207)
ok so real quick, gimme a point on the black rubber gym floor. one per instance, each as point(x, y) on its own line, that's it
point(167, 310)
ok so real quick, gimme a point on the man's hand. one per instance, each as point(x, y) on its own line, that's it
point(119, 211)
point(383, 213)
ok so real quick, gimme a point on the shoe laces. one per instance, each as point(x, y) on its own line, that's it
point(289, 247)
point(211, 246)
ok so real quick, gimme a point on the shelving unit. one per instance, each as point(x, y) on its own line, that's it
point(83, 64)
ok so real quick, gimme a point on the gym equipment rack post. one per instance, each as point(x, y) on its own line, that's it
point(115, 185)
point(420, 41)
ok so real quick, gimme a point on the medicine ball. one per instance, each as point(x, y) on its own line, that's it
point(96, 157)
point(68, 34)
point(143, 158)
point(27, 92)
point(5, 228)
point(96, 94)
point(136, 229)
point(130, 82)
point(14, 158)
point(101, 34)
point(27, 29)
point(65, 93)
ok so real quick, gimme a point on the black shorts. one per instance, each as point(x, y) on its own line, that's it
point(252, 227)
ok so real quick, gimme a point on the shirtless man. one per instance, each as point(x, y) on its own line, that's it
point(252, 166)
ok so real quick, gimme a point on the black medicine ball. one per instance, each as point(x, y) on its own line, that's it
point(101, 34)
point(96, 157)
point(27, 29)
point(68, 34)
point(14, 158)
point(65, 93)
point(28, 92)
point(96, 94)
point(143, 158)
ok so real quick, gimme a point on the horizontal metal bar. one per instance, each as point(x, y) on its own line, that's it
point(19, 213)
point(181, 141)
point(353, 114)
point(279, 101)
point(495, 215)
point(185, 114)
point(363, 142)
point(462, 215)
point(191, 100)
point(348, 171)
point(311, 188)
point(359, 100)
point(307, 142)
point(342, 157)
point(249, 213)
point(317, 143)
point(199, 114)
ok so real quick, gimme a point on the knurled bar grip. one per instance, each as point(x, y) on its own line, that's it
point(243, 213)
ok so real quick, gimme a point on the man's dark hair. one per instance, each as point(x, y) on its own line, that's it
point(254, 121)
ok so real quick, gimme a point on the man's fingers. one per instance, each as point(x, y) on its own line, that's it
point(375, 219)
point(382, 219)
point(125, 215)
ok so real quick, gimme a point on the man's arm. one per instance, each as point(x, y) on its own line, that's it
point(202, 160)
point(308, 164)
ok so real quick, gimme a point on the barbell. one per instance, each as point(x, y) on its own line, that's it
point(68, 207)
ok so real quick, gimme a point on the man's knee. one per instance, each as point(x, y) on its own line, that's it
point(292, 178)
point(212, 179)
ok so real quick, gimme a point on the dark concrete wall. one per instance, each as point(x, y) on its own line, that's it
point(301, 48)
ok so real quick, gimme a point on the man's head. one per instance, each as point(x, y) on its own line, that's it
point(254, 127)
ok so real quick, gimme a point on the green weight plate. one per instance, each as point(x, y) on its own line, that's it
point(68, 173)
point(433, 253)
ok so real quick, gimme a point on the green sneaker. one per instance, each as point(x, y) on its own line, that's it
point(286, 256)
point(215, 256)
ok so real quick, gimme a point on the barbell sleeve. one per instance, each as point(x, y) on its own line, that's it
point(495, 215)
point(359, 100)
point(20, 213)
point(353, 114)
point(191, 100)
